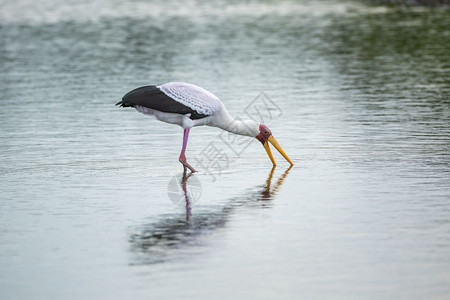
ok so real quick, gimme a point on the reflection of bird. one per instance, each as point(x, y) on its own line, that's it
point(188, 105)
point(153, 242)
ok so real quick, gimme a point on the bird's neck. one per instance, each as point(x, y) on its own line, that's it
point(237, 126)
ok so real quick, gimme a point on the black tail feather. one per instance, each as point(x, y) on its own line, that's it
point(152, 97)
point(124, 104)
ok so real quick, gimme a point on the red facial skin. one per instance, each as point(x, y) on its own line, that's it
point(264, 133)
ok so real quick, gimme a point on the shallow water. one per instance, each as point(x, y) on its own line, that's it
point(359, 99)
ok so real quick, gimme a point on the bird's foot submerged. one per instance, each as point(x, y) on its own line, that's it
point(186, 164)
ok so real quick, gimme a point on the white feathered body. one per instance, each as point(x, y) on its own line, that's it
point(203, 102)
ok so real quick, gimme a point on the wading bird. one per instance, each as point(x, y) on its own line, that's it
point(188, 105)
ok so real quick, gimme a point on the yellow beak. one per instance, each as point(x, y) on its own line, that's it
point(274, 142)
point(267, 147)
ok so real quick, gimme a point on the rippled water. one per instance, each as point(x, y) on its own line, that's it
point(363, 93)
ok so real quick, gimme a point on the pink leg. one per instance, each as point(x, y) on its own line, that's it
point(182, 158)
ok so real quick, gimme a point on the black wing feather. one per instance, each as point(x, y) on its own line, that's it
point(152, 97)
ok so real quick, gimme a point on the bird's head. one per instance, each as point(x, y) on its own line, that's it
point(264, 136)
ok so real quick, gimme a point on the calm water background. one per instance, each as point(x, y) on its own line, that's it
point(364, 93)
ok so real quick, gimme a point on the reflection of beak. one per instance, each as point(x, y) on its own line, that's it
point(274, 142)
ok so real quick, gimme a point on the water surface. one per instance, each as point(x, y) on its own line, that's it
point(362, 108)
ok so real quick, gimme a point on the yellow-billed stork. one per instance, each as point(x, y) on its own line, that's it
point(189, 105)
